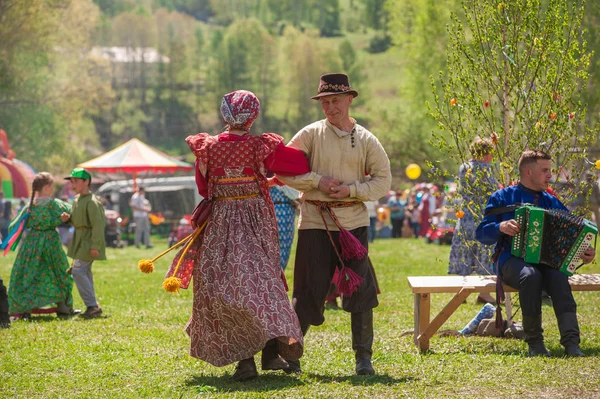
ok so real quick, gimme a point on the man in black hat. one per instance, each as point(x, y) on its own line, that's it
point(349, 166)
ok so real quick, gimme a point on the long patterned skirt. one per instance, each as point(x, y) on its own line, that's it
point(240, 300)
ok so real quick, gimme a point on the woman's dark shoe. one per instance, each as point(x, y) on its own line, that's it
point(278, 363)
point(293, 367)
point(245, 370)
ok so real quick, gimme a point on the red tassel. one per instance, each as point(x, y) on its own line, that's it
point(346, 280)
point(350, 247)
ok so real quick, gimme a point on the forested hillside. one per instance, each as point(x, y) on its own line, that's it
point(79, 77)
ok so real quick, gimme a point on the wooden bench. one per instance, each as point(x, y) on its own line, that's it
point(423, 286)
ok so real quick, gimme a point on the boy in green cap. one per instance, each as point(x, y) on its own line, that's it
point(87, 245)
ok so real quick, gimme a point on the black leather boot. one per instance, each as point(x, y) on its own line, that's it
point(4, 316)
point(569, 334)
point(245, 370)
point(362, 341)
point(294, 365)
point(532, 327)
point(270, 359)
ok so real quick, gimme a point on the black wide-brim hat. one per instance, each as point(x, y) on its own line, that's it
point(334, 83)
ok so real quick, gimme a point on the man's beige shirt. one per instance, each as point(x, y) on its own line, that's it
point(365, 168)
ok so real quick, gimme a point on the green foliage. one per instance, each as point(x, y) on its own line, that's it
point(514, 74)
point(46, 88)
point(328, 21)
point(375, 15)
point(379, 43)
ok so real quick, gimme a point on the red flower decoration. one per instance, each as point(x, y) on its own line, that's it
point(486, 104)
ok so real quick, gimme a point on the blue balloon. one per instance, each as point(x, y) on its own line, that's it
point(419, 197)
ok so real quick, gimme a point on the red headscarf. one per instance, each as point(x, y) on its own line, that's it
point(240, 109)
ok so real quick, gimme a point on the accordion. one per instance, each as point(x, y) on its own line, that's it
point(552, 237)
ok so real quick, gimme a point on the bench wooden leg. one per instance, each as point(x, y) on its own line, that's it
point(426, 334)
point(421, 309)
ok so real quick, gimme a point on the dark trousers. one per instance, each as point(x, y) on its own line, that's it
point(315, 264)
point(530, 280)
point(416, 228)
point(397, 228)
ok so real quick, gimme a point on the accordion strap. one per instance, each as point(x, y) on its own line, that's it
point(502, 209)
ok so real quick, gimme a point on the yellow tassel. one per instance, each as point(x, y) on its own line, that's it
point(146, 266)
point(172, 284)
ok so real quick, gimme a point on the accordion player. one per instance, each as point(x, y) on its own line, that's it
point(552, 237)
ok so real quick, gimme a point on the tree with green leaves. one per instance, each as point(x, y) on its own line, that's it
point(48, 80)
point(514, 74)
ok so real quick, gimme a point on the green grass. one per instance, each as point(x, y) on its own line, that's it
point(139, 350)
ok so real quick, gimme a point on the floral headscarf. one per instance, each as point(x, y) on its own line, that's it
point(240, 109)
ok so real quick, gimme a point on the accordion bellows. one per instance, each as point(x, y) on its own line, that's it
point(552, 237)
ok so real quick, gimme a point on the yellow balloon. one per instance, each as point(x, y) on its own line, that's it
point(597, 164)
point(413, 171)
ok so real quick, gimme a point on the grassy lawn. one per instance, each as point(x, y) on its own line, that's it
point(139, 350)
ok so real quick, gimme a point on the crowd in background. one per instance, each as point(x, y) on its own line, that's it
point(412, 212)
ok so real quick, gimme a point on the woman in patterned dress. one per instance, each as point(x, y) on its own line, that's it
point(39, 275)
point(240, 302)
point(476, 184)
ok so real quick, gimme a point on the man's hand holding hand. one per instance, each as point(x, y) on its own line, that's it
point(340, 192)
point(327, 183)
point(510, 227)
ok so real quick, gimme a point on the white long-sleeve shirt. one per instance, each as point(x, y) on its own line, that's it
point(365, 168)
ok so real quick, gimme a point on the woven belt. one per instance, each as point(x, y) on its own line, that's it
point(328, 207)
point(237, 197)
point(82, 227)
point(333, 204)
point(235, 179)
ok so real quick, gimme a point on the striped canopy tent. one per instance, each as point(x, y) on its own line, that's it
point(134, 157)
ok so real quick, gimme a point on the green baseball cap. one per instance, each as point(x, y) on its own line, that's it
point(79, 173)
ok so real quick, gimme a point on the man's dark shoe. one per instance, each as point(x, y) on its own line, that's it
point(26, 316)
point(574, 351)
point(364, 366)
point(72, 312)
point(293, 367)
point(278, 363)
point(538, 349)
point(91, 312)
point(245, 370)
